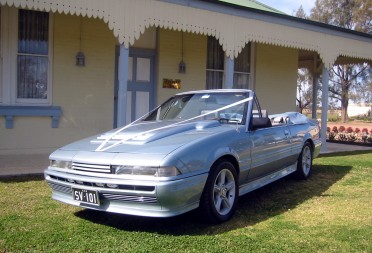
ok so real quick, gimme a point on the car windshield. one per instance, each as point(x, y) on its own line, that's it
point(202, 106)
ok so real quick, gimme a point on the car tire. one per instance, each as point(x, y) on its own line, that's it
point(221, 192)
point(305, 162)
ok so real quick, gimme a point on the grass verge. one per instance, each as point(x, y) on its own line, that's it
point(330, 212)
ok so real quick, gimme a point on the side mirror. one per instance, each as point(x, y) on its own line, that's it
point(258, 123)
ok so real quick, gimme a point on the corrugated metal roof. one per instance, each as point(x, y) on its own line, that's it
point(253, 4)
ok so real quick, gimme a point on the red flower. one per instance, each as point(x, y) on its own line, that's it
point(334, 129)
point(341, 129)
point(349, 130)
point(357, 130)
point(364, 130)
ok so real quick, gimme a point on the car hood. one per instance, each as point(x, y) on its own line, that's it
point(148, 137)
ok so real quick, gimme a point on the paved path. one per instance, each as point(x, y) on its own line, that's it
point(14, 165)
point(335, 147)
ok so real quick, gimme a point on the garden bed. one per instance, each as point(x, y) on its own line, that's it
point(347, 134)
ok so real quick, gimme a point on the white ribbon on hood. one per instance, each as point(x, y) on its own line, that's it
point(103, 144)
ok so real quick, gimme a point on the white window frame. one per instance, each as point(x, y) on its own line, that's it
point(9, 53)
point(216, 70)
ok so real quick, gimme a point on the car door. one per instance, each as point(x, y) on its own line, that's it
point(270, 150)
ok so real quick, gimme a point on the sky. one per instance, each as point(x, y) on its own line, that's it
point(290, 6)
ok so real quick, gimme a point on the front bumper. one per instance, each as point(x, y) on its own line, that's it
point(152, 198)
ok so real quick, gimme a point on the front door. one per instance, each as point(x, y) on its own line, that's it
point(141, 84)
point(271, 151)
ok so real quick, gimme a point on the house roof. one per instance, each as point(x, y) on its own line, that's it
point(253, 4)
point(271, 12)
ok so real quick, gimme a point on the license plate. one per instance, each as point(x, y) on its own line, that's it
point(85, 196)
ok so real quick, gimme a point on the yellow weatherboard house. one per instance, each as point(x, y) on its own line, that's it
point(72, 69)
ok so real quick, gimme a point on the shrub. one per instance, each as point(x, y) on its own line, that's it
point(352, 137)
point(349, 130)
point(335, 130)
point(341, 129)
point(366, 118)
point(357, 130)
point(333, 119)
point(364, 136)
point(342, 137)
point(332, 136)
point(328, 129)
point(370, 131)
point(369, 139)
point(365, 130)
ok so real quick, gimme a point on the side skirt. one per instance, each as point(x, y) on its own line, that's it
point(251, 186)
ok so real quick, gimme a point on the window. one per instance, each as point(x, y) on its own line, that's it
point(216, 62)
point(32, 58)
point(27, 79)
point(242, 68)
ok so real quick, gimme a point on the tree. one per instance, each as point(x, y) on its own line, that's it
point(363, 16)
point(347, 83)
point(363, 91)
point(346, 80)
point(350, 14)
point(301, 13)
point(304, 90)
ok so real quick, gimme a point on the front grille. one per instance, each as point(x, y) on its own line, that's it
point(60, 188)
point(97, 168)
point(106, 185)
point(108, 196)
point(129, 198)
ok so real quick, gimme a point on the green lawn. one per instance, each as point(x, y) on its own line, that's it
point(330, 212)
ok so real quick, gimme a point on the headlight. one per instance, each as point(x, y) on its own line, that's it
point(146, 171)
point(60, 164)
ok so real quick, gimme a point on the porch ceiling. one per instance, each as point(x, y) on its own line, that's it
point(233, 27)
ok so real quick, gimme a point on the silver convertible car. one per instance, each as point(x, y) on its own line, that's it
point(200, 149)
